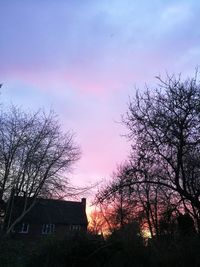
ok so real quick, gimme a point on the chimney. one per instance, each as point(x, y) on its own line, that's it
point(83, 200)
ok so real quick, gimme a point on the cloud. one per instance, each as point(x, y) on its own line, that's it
point(83, 58)
point(95, 47)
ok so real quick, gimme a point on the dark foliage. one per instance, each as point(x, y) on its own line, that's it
point(124, 248)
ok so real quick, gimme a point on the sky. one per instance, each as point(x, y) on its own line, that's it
point(84, 58)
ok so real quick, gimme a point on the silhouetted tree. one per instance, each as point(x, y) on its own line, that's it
point(145, 203)
point(97, 223)
point(164, 126)
point(163, 173)
point(116, 204)
point(34, 153)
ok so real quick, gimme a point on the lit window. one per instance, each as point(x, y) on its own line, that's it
point(75, 228)
point(48, 229)
point(24, 228)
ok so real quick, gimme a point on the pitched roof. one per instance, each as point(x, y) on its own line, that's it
point(54, 211)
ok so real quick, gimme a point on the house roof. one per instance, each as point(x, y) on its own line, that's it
point(54, 211)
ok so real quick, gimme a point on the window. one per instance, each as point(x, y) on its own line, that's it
point(48, 229)
point(75, 228)
point(24, 227)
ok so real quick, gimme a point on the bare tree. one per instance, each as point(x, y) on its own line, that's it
point(34, 156)
point(165, 127)
point(97, 222)
point(163, 175)
point(127, 201)
point(117, 202)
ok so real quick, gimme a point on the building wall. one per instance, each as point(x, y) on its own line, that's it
point(35, 231)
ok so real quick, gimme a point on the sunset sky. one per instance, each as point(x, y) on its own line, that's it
point(84, 58)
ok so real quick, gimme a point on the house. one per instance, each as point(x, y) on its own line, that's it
point(50, 216)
